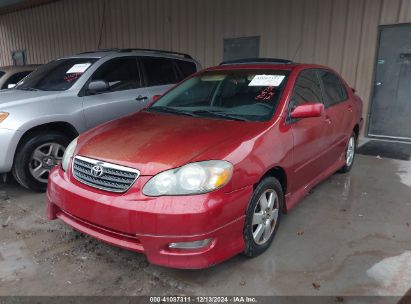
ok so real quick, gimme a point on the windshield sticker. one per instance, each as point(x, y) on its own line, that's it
point(266, 94)
point(266, 81)
point(72, 77)
point(78, 68)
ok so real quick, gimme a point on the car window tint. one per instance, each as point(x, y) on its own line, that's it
point(187, 68)
point(307, 88)
point(15, 78)
point(159, 71)
point(334, 91)
point(119, 73)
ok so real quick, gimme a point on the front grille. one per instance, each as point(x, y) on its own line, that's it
point(102, 175)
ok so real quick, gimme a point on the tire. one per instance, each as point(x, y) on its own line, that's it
point(255, 245)
point(349, 162)
point(31, 158)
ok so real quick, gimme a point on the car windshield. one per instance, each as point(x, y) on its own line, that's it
point(245, 95)
point(59, 75)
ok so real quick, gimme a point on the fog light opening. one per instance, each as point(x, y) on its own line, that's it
point(190, 245)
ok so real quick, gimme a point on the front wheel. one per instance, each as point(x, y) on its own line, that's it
point(263, 216)
point(36, 156)
point(349, 154)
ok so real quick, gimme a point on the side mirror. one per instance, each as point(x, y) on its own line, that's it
point(97, 86)
point(306, 110)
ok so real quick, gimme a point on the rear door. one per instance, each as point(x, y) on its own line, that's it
point(160, 74)
point(311, 135)
point(125, 94)
point(339, 113)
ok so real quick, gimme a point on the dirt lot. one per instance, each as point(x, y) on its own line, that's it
point(351, 236)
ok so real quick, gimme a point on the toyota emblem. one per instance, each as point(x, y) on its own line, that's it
point(97, 171)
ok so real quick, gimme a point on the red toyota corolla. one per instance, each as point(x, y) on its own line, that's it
point(205, 172)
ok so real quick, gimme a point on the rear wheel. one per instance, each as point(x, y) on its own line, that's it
point(263, 216)
point(36, 156)
point(349, 154)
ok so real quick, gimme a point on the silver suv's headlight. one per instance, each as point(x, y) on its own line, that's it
point(193, 178)
point(68, 154)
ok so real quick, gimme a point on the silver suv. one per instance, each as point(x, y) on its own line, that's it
point(51, 106)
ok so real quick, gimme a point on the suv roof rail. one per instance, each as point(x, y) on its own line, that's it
point(257, 60)
point(141, 50)
point(156, 51)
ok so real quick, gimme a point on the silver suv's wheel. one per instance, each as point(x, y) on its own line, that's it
point(36, 155)
point(44, 158)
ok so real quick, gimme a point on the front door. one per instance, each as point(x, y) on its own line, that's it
point(391, 105)
point(125, 93)
point(311, 136)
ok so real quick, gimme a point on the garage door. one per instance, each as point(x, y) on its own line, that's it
point(391, 104)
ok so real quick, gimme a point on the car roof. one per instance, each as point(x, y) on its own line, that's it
point(264, 63)
point(124, 52)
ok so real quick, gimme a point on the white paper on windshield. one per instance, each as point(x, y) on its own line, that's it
point(78, 68)
point(266, 81)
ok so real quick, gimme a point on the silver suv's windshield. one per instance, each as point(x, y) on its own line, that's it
point(246, 95)
point(59, 75)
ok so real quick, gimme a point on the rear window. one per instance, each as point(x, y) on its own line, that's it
point(187, 68)
point(159, 71)
point(14, 79)
point(334, 91)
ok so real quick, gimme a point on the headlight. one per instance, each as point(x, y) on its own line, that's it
point(3, 116)
point(68, 154)
point(194, 178)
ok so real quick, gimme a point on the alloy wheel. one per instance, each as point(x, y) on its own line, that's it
point(265, 216)
point(349, 154)
point(43, 159)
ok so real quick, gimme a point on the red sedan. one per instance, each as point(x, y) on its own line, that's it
point(206, 171)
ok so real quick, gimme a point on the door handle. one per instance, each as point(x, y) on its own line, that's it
point(349, 108)
point(141, 98)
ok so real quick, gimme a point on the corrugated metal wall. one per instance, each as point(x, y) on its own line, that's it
point(339, 33)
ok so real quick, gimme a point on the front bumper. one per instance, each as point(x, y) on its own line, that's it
point(148, 225)
point(9, 140)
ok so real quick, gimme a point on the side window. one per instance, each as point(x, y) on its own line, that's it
point(159, 71)
point(187, 68)
point(14, 79)
point(307, 88)
point(334, 91)
point(119, 73)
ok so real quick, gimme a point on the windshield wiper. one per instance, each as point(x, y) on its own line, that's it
point(170, 110)
point(221, 114)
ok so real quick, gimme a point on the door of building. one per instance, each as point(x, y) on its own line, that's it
point(390, 115)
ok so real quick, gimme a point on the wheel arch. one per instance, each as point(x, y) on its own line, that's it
point(60, 126)
point(280, 174)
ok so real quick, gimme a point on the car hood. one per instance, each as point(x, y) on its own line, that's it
point(10, 98)
point(153, 142)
